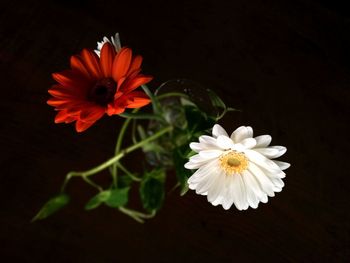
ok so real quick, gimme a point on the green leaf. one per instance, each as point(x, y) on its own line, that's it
point(97, 200)
point(118, 197)
point(152, 189)
point(124, 181)
point(52, 206)
point(216, 101)
point(197, 120)
point(182, 174)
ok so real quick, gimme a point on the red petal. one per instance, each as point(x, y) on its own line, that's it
point(106, 59)
point(134, 83)
point(135, 64)
point(81, 126)
point(54, 102)
point(59, 91)
point(77, 64)
point(137, 99)
point(113, 109)
point(92, 114)
point(91, 61)
point(61, 116)
point(121, 63)
point(71, 80)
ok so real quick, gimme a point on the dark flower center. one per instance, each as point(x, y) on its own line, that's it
point(103, 91)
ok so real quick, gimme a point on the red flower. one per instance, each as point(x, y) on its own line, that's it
point(95, 86)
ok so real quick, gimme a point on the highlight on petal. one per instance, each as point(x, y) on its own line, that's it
point(77, 64)
point(135, 65)
point(81, 126)
point(218, 130)
point(242, 133)
point(236, 171)
point(121, 63)
point(91, 61)
point(133, 83)
point(106, 59)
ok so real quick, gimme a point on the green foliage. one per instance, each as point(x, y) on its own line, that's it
point(97, 200)
point(118, 197)
point(113, 198)
point(182, 174)
point(177, 120)
point(152, 189)
point(197, 120)
point(52, 206)
point(219, 104)
point(124, 181)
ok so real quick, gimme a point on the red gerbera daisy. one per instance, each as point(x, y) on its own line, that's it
point(95, 86)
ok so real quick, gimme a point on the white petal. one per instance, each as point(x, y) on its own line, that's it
point(197, 159)
point(192, 166)
point(204, 171)
point(248, 143)
point(265, 183)
point(239, 195)
point(279, 174)
point(281, 150)
point(261, 160)
point(263, 141)
point(282, 165)
point(209, 154)
point(204, 185)
point(201, 146)
point(208, 142)
point(207, 139)
point(218, 130)
point(252, 199)
point(217, 188)
point(254, 185)
point(268, 152)
point(242, 133)
point(225, 142)
point(116, 42)
point(196, 146)
point(228, 198)
point(264, 199)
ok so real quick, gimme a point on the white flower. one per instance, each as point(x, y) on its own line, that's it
point(236, 169)
point(115, 41)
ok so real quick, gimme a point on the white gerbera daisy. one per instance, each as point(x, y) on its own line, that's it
point(236, 169)
point(115, 41)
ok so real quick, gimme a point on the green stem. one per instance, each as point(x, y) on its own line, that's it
point(120, 155)
point(155, 105)
point(117, 150)
point(131, 214)
point(128, 173)
point(142, 116)
point(92, 183)
point(138, 216)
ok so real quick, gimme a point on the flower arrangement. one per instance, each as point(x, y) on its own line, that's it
point(236, 169)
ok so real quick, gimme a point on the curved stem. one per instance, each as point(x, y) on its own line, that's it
point(128, 173)
point(138, 216)
point(92, 183)
point(120, 155)
point(131, 214)
point(142, 116)
point(123, 129)
point(155, 105)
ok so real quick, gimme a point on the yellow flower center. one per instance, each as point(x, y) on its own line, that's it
point(233, 162)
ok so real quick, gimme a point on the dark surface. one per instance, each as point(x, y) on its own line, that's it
point(285, 64)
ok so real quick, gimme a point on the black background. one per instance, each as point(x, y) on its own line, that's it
point(285, 63)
